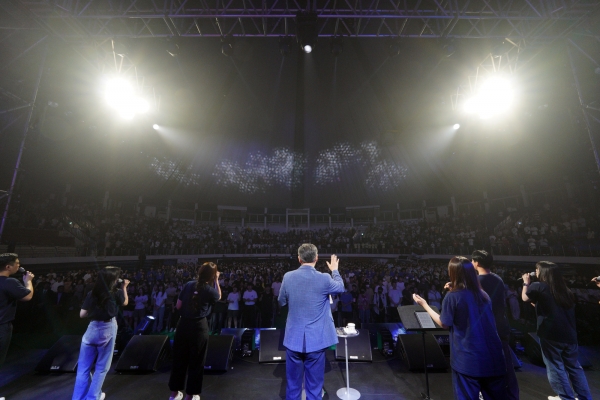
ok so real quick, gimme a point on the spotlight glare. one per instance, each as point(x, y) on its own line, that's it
point(121, 95)
point(456, 126)
point(493, 97)
point(307, 48)
point(155, 126)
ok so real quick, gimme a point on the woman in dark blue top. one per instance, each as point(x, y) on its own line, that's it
point(555, 310)
point(191, 337)
point(476, 356)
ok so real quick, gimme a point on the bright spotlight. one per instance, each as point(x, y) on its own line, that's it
point(120, 95)
point(307, 48)
point(155, 126)
point(493, 97)
point(456, 126)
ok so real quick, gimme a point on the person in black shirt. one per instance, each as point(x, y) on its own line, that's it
point(11, 291)
point(493, 285)
point(191, 337)
point(555, 309)
point(101, 305)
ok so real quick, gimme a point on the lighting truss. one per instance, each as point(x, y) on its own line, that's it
point(83, 20)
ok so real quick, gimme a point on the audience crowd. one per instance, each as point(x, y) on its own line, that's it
point(374, 290)
point(545, 230)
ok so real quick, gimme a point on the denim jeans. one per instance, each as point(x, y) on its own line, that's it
point(98, 344)
point(564, 370)
point(159, 317)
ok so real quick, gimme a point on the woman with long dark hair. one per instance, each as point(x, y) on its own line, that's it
point(555, 310)
point(476, 356)
point(191, 337)
point(101, 305)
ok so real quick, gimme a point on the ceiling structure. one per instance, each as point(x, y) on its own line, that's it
point(84, 20)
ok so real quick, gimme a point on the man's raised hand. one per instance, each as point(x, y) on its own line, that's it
point(333, 266)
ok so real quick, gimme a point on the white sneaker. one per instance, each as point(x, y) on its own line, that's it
point(178, 397)
point(102, 396)
point(553, 398)
point(196, 397)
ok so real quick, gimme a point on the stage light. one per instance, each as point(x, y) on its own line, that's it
point(155, 126)
point(227, 46)
point(493, 97)
point(456, 126)
point(306, 30)
point(121, 95)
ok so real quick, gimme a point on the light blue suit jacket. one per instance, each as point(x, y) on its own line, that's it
point(309, 320)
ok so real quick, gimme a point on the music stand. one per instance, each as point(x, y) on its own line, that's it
point(411, 324)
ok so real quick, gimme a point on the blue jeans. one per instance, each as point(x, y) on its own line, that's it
point(312, 366)
point(159, 316)
point(564, 370)
point(98, 344)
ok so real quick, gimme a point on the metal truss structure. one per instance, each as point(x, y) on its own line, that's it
point(82, 20)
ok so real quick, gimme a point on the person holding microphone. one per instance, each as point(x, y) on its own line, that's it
point(191, 337)
point(11, 291)
point(101, 305)
point(555, 311)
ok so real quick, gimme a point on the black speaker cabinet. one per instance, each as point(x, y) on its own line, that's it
point(62, 356)
point(271, 346)
point(411, 348)
point(237, 334)
point(359, 347)
point(143, 353)
point(219, 352)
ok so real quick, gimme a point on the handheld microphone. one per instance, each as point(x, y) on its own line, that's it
point(22, 270)
point(531, 274)
point(597, 279)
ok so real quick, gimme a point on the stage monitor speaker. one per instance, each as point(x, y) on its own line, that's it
point(359, 347)
point(411, 348)
point(237, 333)
point(533, 350)
point(271, 346)
point(219, 352)
point(62, 356)
point(143, 353)
point(443, 340)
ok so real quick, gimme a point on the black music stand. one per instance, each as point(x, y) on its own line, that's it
point(411, 324)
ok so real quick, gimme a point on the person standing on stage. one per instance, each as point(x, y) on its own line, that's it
point(11, 291)
point(191, 336)
point(555, 310)
point(309, 330)
point(476, 356)
point(101, 305)
point(493, 285)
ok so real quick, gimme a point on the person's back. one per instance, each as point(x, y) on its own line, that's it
point(307, 292)
point(493, 285)
point(554, 322)
point(475, 346)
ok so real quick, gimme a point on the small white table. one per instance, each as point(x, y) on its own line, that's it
point(347, 393)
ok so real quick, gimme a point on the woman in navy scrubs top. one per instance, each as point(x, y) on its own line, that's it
point(476, 356)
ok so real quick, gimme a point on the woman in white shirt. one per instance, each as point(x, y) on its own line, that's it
point(233, 307)
point(159, 298)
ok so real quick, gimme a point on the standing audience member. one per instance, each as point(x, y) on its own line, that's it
point(11, 291)
point(139, 312)
point(101, 305)
point(555, 310)
point(233, 308)
point(493, 285)
point(191, 336)
point(476, 356)
point(159, 299)
point(249, 312)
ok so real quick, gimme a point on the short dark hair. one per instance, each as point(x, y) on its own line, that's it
point(7, 258)
point(484, 258)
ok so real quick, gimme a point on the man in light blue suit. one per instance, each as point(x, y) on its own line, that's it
point(309, 330)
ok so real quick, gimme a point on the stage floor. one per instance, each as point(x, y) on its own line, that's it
point(247, 379)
